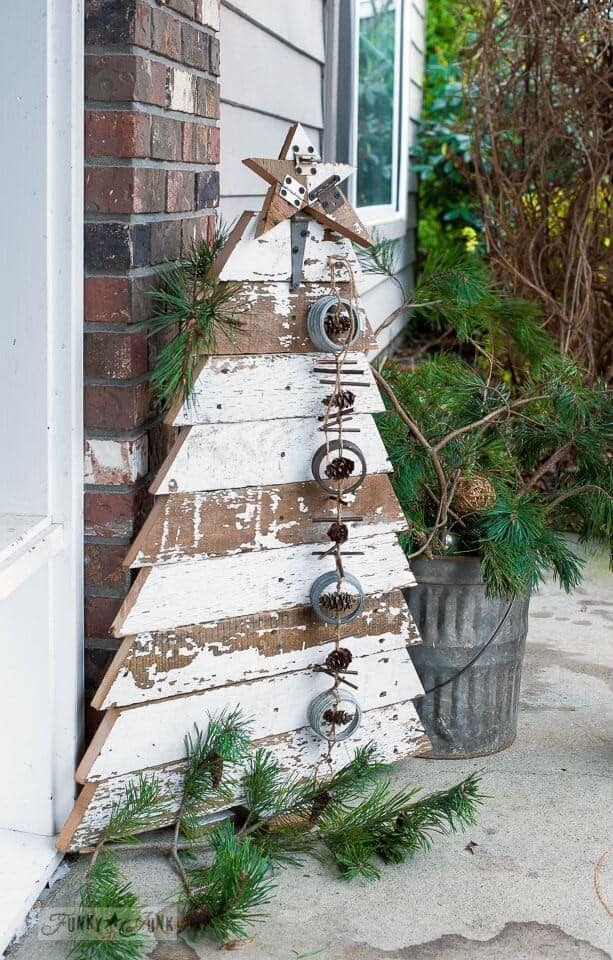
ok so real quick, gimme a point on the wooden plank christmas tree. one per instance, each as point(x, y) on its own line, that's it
point(270, 574)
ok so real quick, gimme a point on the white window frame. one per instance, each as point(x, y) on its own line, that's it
point(389, 219)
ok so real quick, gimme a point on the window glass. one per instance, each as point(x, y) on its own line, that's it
point(378, 101)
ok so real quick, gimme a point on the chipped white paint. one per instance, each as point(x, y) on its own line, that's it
point(217, 456)
point(217, 664)
point(153, 734)
point(395, 729)
point(177, 594)
point(182, 527)
point(116, 461)
point(269, 386)
point(269, 257)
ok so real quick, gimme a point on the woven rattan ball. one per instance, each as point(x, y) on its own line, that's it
point(472, 495)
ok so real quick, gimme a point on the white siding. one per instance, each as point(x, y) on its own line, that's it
point(272, 74)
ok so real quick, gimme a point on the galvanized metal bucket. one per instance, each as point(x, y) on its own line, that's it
point(475, 714)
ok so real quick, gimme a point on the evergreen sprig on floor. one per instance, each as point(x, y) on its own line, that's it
point(353, 818)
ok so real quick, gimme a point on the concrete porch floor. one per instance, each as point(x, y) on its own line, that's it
point(528, 890)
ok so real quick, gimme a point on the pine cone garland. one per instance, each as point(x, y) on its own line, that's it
point(338, 532)
point(342, 399)
point(337, 717)
point(339, 602)
point(339, 659)
point(340, 468)
point(338, 324)
point(472, 495)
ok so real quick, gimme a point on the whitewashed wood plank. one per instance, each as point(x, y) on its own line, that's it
point(183, 526)
point(153, 734)
point(153, 666)
point(177, 594)
point(262, 72)
point(269, 257)
point(220, 456)
point(396, 730)
point(301, 24)
point(265, 387)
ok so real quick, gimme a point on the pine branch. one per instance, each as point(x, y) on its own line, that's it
point(144, 803)
point(193, 310)
point(111, 924)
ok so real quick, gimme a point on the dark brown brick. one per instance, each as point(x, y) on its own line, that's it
point(214, 144)
point(116, 356)
point(109, 189)
point(198, 228)
point(125, 78)
point(107, 246)
point(214, 56)
point(116, 406)
point(166, 138)
point(117, 134)
point(200, 148)
point(207, 189)
point(166, 34)
point(165, 240)
point(97, 662)
point(109, 21)
point(103, 566)
point(207, 98)
point(116, 246)
point(186, 7)
point(195, 47)
point(114, 513)
point(106, 300)
point(99, 614)
point(180, 191)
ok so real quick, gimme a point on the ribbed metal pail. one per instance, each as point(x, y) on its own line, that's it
point(476, 714)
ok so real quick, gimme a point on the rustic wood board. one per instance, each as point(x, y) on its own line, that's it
point(395, 729)
point(274, 318)
point(266, 387)
point(269, 257)
point(230, 455)
point(183, 526)
point(143, 736)
point(155, 665)
point(197, 591)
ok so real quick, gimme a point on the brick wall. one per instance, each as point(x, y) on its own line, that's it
point(151, 145)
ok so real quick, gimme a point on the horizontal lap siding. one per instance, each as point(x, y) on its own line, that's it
point(272, 75)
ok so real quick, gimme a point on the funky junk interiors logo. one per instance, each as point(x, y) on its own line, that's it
point(97, 923)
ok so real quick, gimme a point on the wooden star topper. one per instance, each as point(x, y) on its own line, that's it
point(300, 180)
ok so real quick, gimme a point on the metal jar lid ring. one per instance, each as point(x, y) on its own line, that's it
point(328, 700)
point(321, 585)
point(331, 486)
point(323, 309)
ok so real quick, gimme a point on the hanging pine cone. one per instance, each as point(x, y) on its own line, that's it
point(320, 803)
point(339, 602)
point(216, 765)
point(338, 324)
point(337, 717)
point(340, 468)
point(339, 659)
point(343, 399)
point(473, 494)
point(338, 532)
